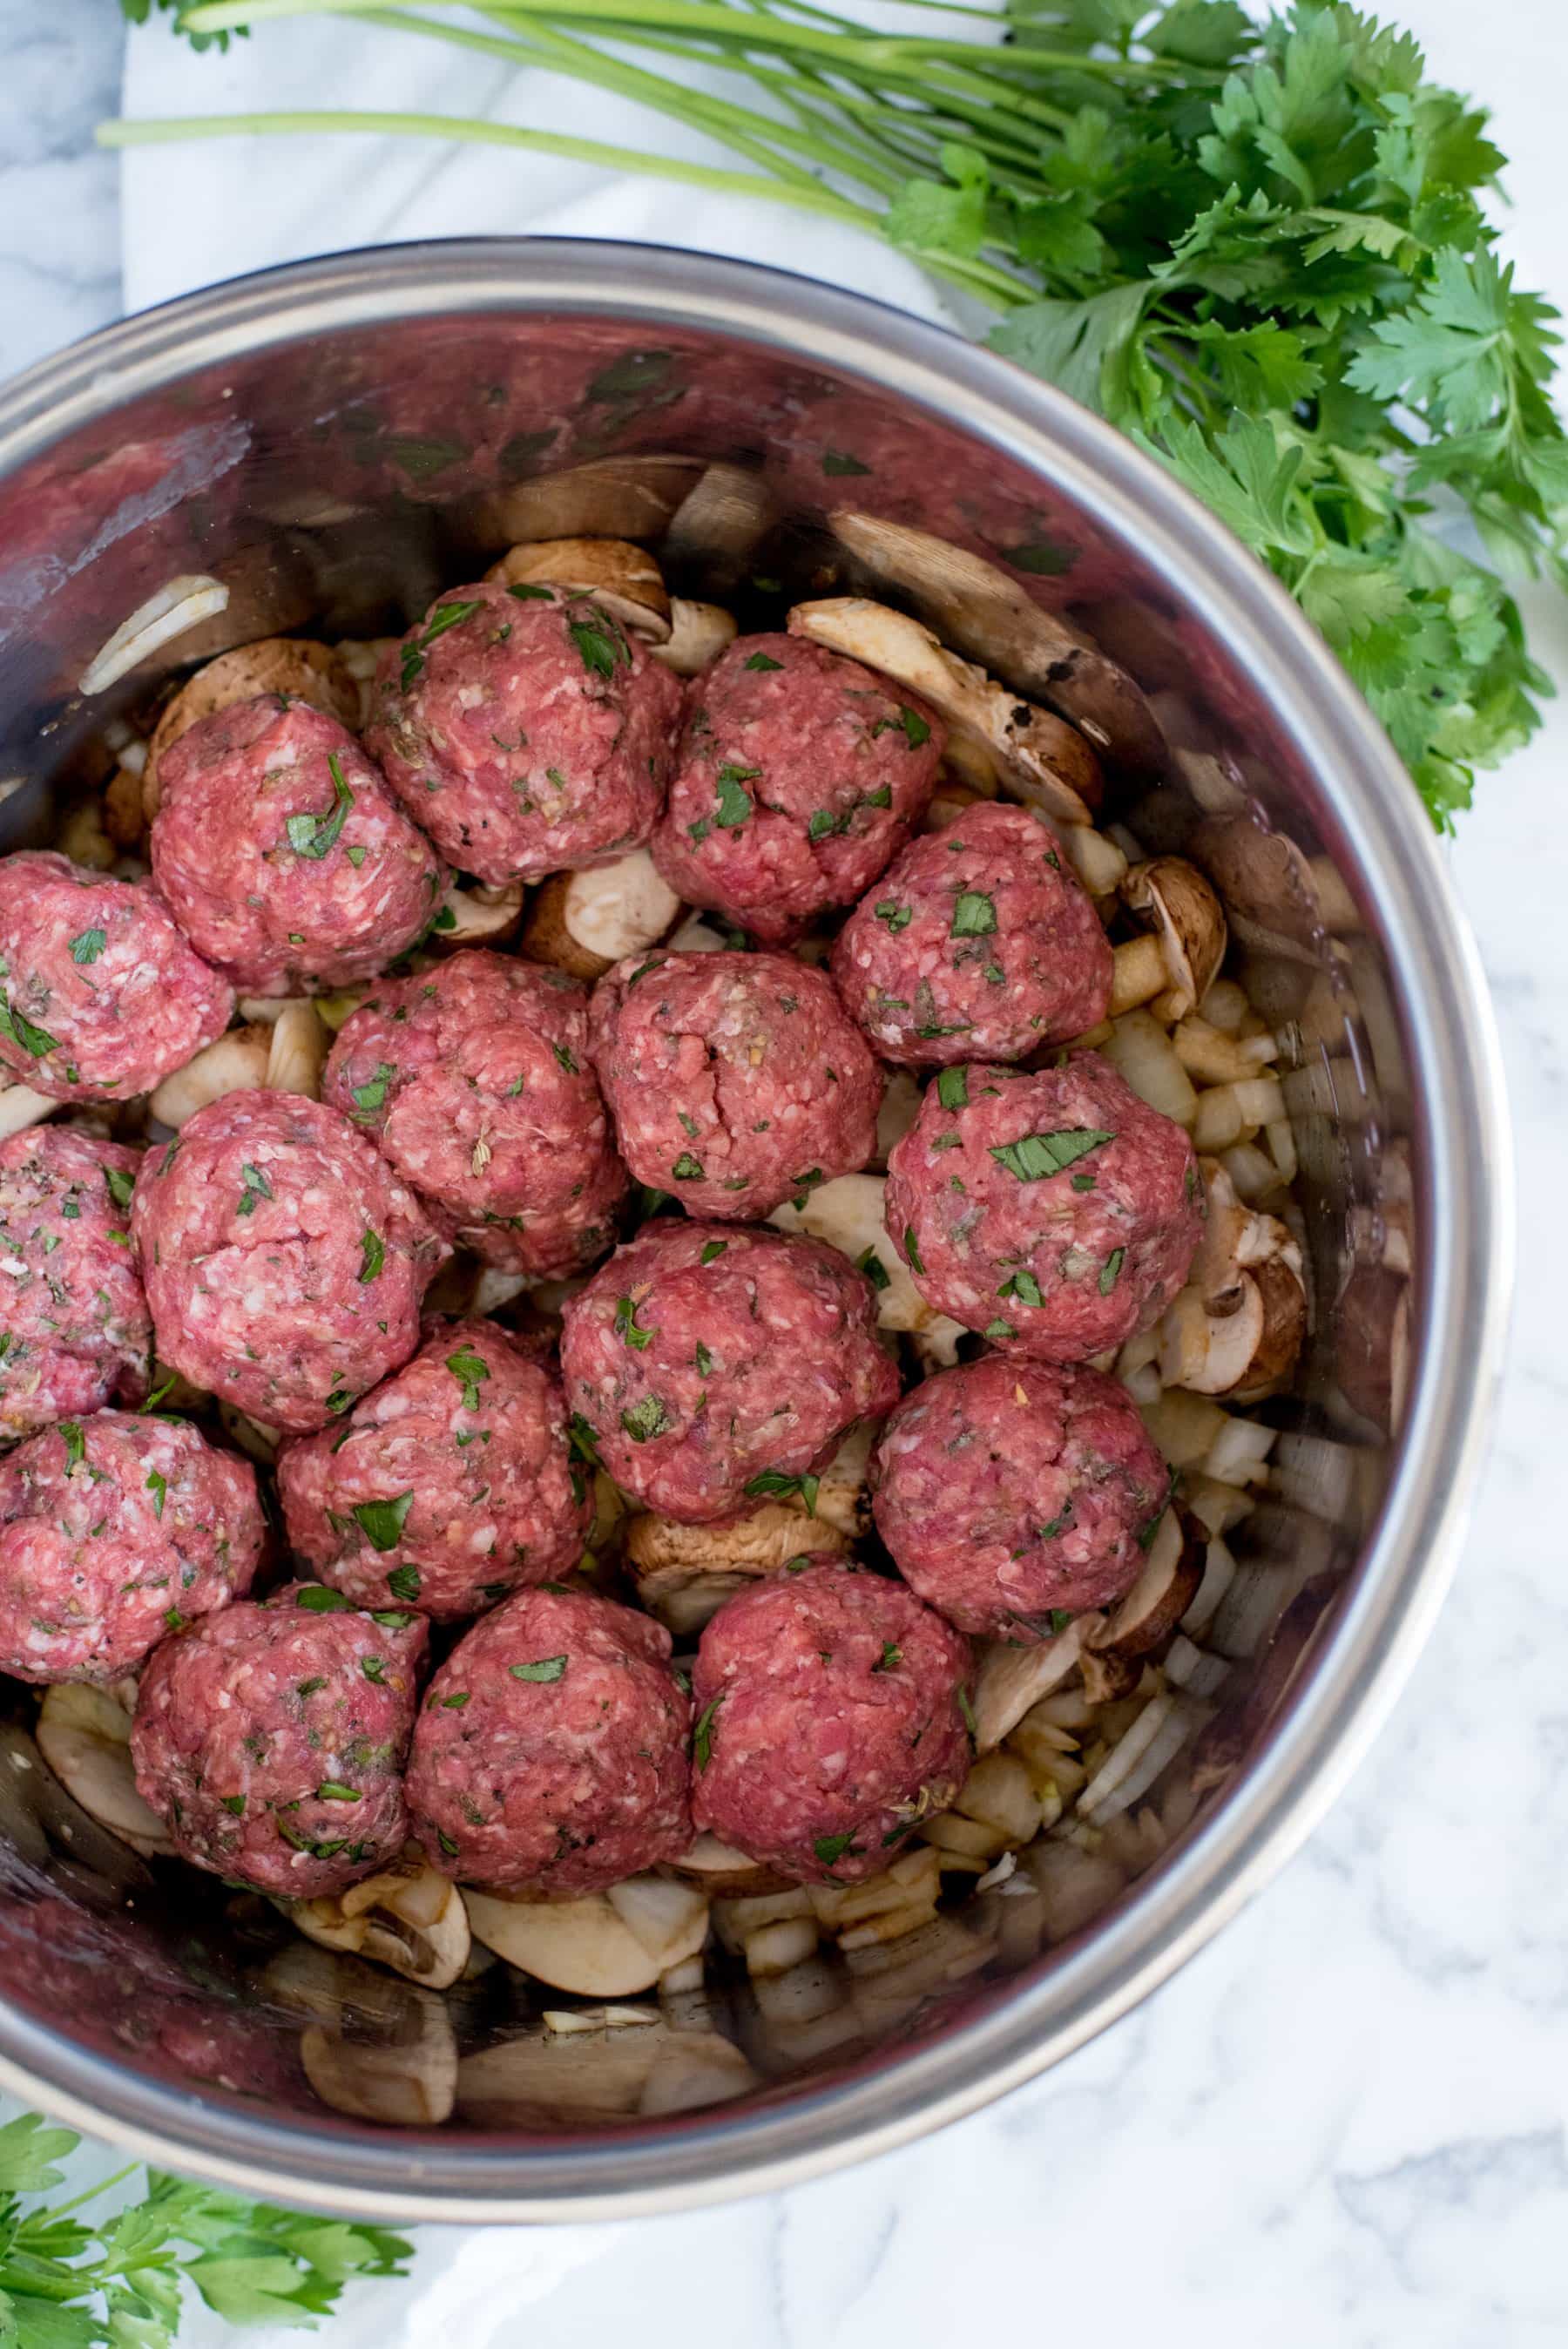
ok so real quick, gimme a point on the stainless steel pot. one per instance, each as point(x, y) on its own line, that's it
point(333, 442)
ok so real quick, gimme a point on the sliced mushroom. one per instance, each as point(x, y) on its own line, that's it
point(684, 1573)
point(900, 1102)
point(238, 1062)
point(698, 633)
point(1238, 1328)
point(847, 1213)
point(257, 1443)
point(1010, 1679)
point(406, 1917)
point(1181, 958)
point(989, 615)
point(21, 1107)
point(583, 922)
point(611, 497)
point(720, 525)
point(290, 664)
point(551, 2078)
point(623, 579)
point(406, 2082)
point(607, 1945)
point(84, 1735)
point(1162, 1593)
point(475, 916)
point(724, 1874)
point(297, 1052)
point(1040, 759)
point(124, 820)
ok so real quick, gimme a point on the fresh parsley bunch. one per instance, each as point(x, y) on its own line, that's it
point(68, 2282)
point(1260, 249)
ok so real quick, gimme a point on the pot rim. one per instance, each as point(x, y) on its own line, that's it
point(1371, 820)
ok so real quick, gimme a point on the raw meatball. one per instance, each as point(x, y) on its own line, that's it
point(285, 1262)
point(283, 856)
point(475, 1081)
point(1008, 1492)
point(449, 1487)
point(734, 1080)
point(715, 1363)
point(1051, 1210)
point(828, 1721)
point(271, 1739)
point(114, 1531)
point(99, 994)
point(979, 943)
point(78, 1333)
point(525, 731)
point(801, 773)
point(550, 1749)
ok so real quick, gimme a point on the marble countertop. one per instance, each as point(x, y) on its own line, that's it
point(1344, 2121)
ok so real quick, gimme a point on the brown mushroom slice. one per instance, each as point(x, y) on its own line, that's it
point(544, 2078)
point(1239, 1326)
point(684, 1573)
point(297, 1052)
point(698, 633)
point(1162, 1593)
point(294, 666)
point(406, 1917)
point(630, 497)
point(977, 607)
point(475, 916)
point(583, 922)
point(724, 1874)
point(623, 579)
point(236, 1062)
point(606, 1945)
point(1010, 1679)
point(1040, 759)
point(21, 1107)
point(1186, 923)
point(406, 2081)
point(720, 525)
point(84, 1735)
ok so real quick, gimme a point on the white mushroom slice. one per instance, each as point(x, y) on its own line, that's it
point(983, 611)
point(409, 2082)
point(589, 1945)
point(1187, 925)
point(623, 579)
point(583, 922)
point(287, 665)
point(847, 1213)
point(1011, 1680)
point(21, 1107)
point(1040, 759)
point(698, 633)
point(297, 1053)
point(611, 497)
point(684, 1573)
point(1161, 1595)
point(721, 1873)
point(1238, 1328)
point(407, 1918)
point(84, 1735)
point(237, 1062)
point(542, 2077)
point(720, 524)
point(475, 916)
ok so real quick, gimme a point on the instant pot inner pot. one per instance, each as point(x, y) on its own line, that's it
point(333, 486)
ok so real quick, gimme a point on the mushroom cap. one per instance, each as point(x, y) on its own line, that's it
point(622, 577)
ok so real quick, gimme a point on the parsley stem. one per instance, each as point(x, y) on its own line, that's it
point(91, 2193)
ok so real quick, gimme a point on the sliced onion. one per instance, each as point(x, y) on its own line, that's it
point(179, 606)
point(1137, 1759)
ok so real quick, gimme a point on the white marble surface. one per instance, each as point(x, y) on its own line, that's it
point(1344, 2122)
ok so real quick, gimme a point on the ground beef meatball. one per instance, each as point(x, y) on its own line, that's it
point(283, 856)
point(734, 1080)
point(1051, 1210)
point(552, 1748)
point(830, 1720)
point(715, 1364)
point(1009, 1492)
point(99, 994)
point(799, 775)
point(475, 1080)
point(979, 943)
point(283, 1260)
point(449, 1487)
point(271, 1739)
point(525, 731)
point(114, 1531)
point(76, 1330)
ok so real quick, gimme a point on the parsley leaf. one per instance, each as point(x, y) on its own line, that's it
point(316, 837)
point(1033, 1156)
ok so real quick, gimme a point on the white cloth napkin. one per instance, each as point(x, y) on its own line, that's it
point(194, 214)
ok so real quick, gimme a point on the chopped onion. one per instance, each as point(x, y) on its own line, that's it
point(182, 605)
point(1134, 1762)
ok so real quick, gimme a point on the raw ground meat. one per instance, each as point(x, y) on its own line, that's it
point(734, 1080)
point(99, 994)
point(474, 1079)
point(799, 775)
point(284, 1261)
point(828, 1720)
point(283, 856)
point(550, 1749)
point(114, 1531)
point(525, 731)
point(1051, 1210)
point(717, 1363)
point(271, 1739)
point(448, 1486)
point(1009, 1491)
point(74, 1329)
point(979, 943)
